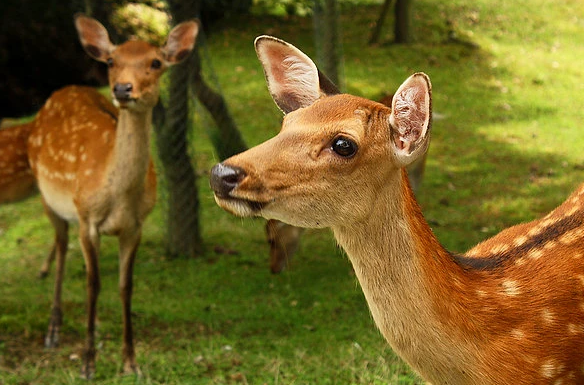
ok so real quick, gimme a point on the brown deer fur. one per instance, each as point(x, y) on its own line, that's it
point(16, 179)
point(509, 311)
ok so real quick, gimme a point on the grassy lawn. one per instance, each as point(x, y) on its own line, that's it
point(507, 148)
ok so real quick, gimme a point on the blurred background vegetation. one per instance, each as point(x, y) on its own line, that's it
point(507, 147)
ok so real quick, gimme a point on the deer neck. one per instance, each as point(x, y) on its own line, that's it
point(131, 155)
point(393, 254)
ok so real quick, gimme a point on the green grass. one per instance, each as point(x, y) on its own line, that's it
point(508, 149)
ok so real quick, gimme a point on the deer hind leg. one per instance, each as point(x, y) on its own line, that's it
point(129, 242)
point(89, 239)
point(59, 251)
point(284, 240)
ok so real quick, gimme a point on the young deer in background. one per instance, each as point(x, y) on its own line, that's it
point(92, 165)
point(510, 311)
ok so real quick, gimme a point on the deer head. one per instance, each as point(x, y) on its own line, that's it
point(317, 171)
point(135, 66)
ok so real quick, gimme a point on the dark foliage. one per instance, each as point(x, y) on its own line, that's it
point(40, 52)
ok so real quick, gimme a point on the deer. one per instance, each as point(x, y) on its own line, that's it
point(90, 159)
point(16, 179)
point(508, 311)
point(284, 239)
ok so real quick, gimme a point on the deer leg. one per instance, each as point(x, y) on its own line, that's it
point(60, 251)
point(44, 272)
point(89, 239)
point(284, 240)
point(129, 242)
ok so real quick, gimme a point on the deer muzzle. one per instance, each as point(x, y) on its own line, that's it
point(224, 181)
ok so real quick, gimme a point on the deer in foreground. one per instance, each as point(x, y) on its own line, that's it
point(92, 165)
point(509, 311)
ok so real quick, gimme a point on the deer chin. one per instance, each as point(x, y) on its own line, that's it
point(241, 207)
point(129, 103)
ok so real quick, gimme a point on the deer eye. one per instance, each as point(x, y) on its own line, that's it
point(110, 62)
point(344, 147)
point(156, 64)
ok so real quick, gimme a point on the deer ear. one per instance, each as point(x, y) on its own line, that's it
point(411, 118)
point(181, 41)
point(93, 37)
point(293, 79)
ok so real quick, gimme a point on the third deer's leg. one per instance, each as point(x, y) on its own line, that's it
point(129, 242)
point(60, 251)
point(89, 239)
point(284, 240)
point(47, 264)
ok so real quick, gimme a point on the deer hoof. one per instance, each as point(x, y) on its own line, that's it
point(87, 370)
point(88, 365)
point(132, 368)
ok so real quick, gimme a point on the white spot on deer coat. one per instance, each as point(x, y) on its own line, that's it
point(549, 369)
point(535, 253)
point(547, 316)
point(518, 334)
point(520, 240)
point(510, 287)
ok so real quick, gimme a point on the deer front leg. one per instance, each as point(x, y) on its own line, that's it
point(89, 239)
point(60, 250)
point(129, 242)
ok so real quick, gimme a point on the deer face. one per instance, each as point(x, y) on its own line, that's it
point(313, 173)
point(334, 153)
point(135, 67)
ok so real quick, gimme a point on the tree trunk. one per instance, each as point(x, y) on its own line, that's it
point(374, 39)
point(182, 201)
point(183, 228)
point(225, 136)
point(183, 231)
point(327, 39)
point(403, 33)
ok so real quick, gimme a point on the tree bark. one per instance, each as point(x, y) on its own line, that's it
point(327, 39)
point(376, 32)
point(183, 230)
point(225, 136)
point(182, 202)
point(403, 33)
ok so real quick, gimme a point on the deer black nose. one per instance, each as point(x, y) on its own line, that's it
point(225, 178)
point(123, 91)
